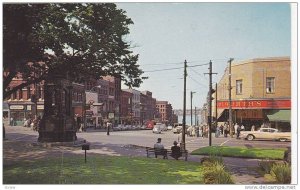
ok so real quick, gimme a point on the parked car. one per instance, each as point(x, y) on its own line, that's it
point(177, 129)
point(266, 134)
point(156, 129)
point(163, 127)
point(170, 127)
point(117, 128)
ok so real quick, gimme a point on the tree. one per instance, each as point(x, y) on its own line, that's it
point(81, 40)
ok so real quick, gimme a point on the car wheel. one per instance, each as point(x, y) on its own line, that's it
point(282, 139)
point(250, 137)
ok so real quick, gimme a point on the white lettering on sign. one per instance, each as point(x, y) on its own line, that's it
point(40, 107)
point(16, 107)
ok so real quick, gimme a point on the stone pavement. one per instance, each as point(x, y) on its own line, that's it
point(243, 170)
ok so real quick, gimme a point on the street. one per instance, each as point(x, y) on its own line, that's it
point(143, 138)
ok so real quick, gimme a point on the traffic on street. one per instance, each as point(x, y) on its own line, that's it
point(144, 138)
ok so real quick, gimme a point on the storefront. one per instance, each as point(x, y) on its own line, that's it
point(19, 113)
point(272, 112)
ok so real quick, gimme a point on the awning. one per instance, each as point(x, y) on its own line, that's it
point(223, 115)
point(279, 115)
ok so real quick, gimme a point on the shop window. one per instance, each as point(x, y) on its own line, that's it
point(270, 85)
point(239, 86)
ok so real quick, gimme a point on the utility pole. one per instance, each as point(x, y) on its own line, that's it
point(216, 110)
point(210, 100)
point(195, 116)
point(229, 89)
point(184, 107)
point(192, 107)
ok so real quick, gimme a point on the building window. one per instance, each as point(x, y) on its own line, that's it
point(21, 94)
point(270, 86)
point(28, 93)
point(239, 86)
point(14, 95)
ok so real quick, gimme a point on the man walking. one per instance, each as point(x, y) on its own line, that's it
point(108, 127)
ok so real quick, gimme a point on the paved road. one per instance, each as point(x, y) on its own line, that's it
point(144, 138)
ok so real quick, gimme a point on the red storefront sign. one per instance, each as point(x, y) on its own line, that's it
point(255, 104)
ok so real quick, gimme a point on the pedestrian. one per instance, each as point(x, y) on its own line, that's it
point(11, 121)
point(238, 131)
point(175, 151)
point(25, 123)
point(193, 133)
point(221, 129)
point(108, 127)
point(253, 128)
point(226, 130)
point(235, 128)
point(81, 127)
point(32, 124)
point(201, 131)
point(242, 128)
point(217, 133)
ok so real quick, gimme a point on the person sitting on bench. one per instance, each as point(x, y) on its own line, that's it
point(175, 151)
point(159, 149)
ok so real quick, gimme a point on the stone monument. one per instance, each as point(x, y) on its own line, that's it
point(57, 123)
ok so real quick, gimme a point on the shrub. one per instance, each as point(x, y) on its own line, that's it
point(266, 165)
point(282, 172)
point(216, 174)
point(212, 159)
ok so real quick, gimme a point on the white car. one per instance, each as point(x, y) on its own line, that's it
point(177, 129)
point(156, 129)
point(266, 133)
point(170, 127)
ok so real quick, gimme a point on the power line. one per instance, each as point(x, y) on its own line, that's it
point(163, 69)
point(198, 65)
point(196, 81)
point(198, 73)
point(163, 64)
point(175, 68)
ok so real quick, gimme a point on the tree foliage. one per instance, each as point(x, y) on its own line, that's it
point(81, 40)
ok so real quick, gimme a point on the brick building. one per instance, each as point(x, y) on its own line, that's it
point(261, 93)
point(165, 111)
point(148, 106)
point(125, 107)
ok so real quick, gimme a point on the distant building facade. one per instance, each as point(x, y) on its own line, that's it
point(165, 110)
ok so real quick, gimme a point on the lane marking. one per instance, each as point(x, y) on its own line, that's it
point(224, 142)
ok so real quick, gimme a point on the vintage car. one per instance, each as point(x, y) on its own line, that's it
point(157, 128)
point(266, 134)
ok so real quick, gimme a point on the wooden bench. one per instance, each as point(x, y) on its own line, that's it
point(165, 153)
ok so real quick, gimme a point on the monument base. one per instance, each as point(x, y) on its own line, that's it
point(57, 129)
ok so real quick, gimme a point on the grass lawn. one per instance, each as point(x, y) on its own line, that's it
point(242, 152)
point(103, 170)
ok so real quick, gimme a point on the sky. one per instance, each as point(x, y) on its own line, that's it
point(166, 34)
